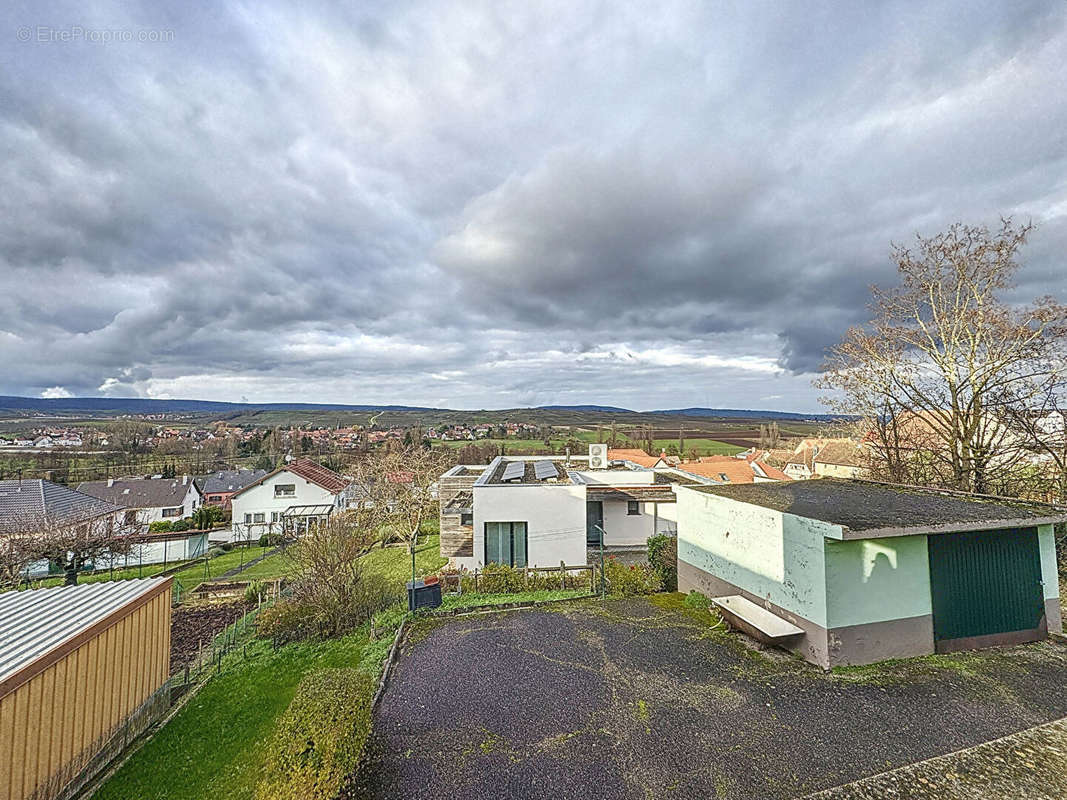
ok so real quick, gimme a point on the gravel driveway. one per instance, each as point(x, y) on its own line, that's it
point(634, 698)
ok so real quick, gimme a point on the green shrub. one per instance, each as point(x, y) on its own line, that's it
point(696, 600)
point(226, 546)
point(504, 579)
point(631, 579)
point(286, 620)
point(253, 591)
point(270, 540)
point(214, 552)
point(326, 611)
point(160, 526)
point(663, 558)
point(319, 739)
point(185, 524)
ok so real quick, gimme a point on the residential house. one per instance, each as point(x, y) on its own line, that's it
point(544, 510)
point(25, 505)
point(638, 457)
point(840, 459)
point(852, 572)
point(219, 487)
point(727, 469)
point(290, 498)
point(148, 500)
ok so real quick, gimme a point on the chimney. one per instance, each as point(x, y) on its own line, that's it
point(110, 482)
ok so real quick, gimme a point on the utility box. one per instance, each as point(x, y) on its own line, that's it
point(423, 595)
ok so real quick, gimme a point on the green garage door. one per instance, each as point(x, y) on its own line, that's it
point(986, 588)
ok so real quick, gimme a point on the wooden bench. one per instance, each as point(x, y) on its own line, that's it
point(753, 619)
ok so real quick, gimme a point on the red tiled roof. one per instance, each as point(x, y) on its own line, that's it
point(736, 470)
point(639, 457)
point(317, 474)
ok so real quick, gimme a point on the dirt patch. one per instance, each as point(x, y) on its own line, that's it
point(191, 625)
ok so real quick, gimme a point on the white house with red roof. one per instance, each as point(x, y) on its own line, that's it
point(291, 498)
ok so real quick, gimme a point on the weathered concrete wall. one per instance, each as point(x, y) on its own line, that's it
point(878, 599)
point(873, 580)
point(778, 558)
point(1046, 540)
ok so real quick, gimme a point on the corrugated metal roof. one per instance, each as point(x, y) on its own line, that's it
point(37, 621)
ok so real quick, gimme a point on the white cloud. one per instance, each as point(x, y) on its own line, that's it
point(54, 392)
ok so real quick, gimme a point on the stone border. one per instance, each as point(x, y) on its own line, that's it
point(874, 783)
point(387, 668)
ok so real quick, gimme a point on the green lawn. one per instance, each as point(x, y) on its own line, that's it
point(394, 563)
point(273, 566)
point(215, 747)
point(145, 571)
point(198, 573)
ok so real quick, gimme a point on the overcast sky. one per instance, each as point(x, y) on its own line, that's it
point(497, 204)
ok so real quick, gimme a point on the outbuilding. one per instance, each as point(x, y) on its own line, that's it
point(83, 670)
point(852, 572)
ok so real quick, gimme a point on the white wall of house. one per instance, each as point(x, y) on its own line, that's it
point(623, 528)
point(190, 503)
point(554, 517)
point(258, 509)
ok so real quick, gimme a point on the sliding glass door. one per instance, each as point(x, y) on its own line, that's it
point(505, 543)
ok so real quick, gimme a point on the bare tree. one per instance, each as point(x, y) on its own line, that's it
point(327, 576)
point(1044, 428)
point(946, 363)
point(15, 557)
point(399, 491)
point(75, 540)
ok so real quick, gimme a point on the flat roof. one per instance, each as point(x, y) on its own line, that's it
point(881, 509)
point(37, 622)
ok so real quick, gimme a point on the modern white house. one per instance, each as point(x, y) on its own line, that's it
point(291, 498)
point(539, 511)
point(852, 572)
point(148, 500)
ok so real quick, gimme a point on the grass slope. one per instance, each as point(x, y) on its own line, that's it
point(215, 747)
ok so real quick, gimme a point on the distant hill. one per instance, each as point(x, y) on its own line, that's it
point(141, 405)
point(740, 413)
point(606, 409)
point(559, 414)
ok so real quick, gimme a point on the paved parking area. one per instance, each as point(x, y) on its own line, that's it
point(638, 698)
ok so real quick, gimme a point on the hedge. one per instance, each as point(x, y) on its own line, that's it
point(663, 558)
point(319, 739)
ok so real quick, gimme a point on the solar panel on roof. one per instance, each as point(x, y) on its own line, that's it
point(514, 470)
point(544, 469)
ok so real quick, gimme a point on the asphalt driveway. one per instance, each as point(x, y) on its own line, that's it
point(644, 699)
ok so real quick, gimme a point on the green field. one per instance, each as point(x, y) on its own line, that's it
point(702, 447)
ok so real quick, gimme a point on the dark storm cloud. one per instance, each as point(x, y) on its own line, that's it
point(500, 204)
